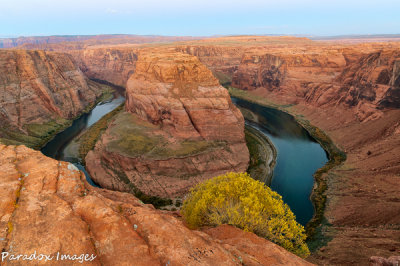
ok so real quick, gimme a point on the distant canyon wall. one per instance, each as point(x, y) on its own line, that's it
point(114, 65)
point(81, 41)
point(365, 80)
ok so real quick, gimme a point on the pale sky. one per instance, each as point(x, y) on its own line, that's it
point(198, 18)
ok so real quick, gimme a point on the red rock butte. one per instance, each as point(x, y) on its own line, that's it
point(180, 94)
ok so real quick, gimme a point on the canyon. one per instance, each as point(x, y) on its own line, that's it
point(350, 91)
point(179, 128)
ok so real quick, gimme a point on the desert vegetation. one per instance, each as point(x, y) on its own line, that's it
point(239, 200)
point(89, 138)
point(134, 137)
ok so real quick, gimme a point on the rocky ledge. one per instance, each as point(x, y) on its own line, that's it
point(179, 127)
point(47, 207)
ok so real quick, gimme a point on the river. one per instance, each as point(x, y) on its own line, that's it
point(298, 154)
point(59, 147)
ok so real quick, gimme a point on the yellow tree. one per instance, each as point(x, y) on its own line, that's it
point(239, 200)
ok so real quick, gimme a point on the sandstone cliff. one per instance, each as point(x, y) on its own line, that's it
point(359, 77)
point(222, 61)
point(47, 207)
point(363, 84)
point(364, 80)
point(114, 65)
point(41, 92)
point(180, 127)
point(181, 95)
point(223, 55)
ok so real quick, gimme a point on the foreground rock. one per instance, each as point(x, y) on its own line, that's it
point(379, 261)
point(180, 128)
point(41, 92)
point(47, 207)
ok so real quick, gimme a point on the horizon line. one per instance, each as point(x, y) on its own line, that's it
point(371, 35)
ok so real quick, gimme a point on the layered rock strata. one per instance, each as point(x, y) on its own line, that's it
point(179, 128)
point(114, 65)
point(364, 84)
point(41, 92)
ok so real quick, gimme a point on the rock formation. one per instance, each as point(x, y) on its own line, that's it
point(361, 77)
point(40, 92)
point(379, 261)
point(181, 95)
point(47, 207)
point(222, 61)
point(180, 127)
point(350, 92)
point(107, 64)
point(365, 84)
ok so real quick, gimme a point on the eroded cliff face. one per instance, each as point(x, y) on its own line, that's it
point(223, 55)
point(362, 82)
point(375, 78)
point(180, 128)
point(255, 71)
point(222, 61)
point(360, 77)
point(114, 65)
point(181, 95)
point(47, 207)
point(40, 92)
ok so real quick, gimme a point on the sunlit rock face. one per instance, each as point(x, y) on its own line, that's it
point(47, 207)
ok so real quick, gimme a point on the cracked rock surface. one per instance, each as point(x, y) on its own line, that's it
point(48, 207)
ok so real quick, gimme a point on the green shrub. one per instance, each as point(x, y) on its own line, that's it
point(239, 200)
